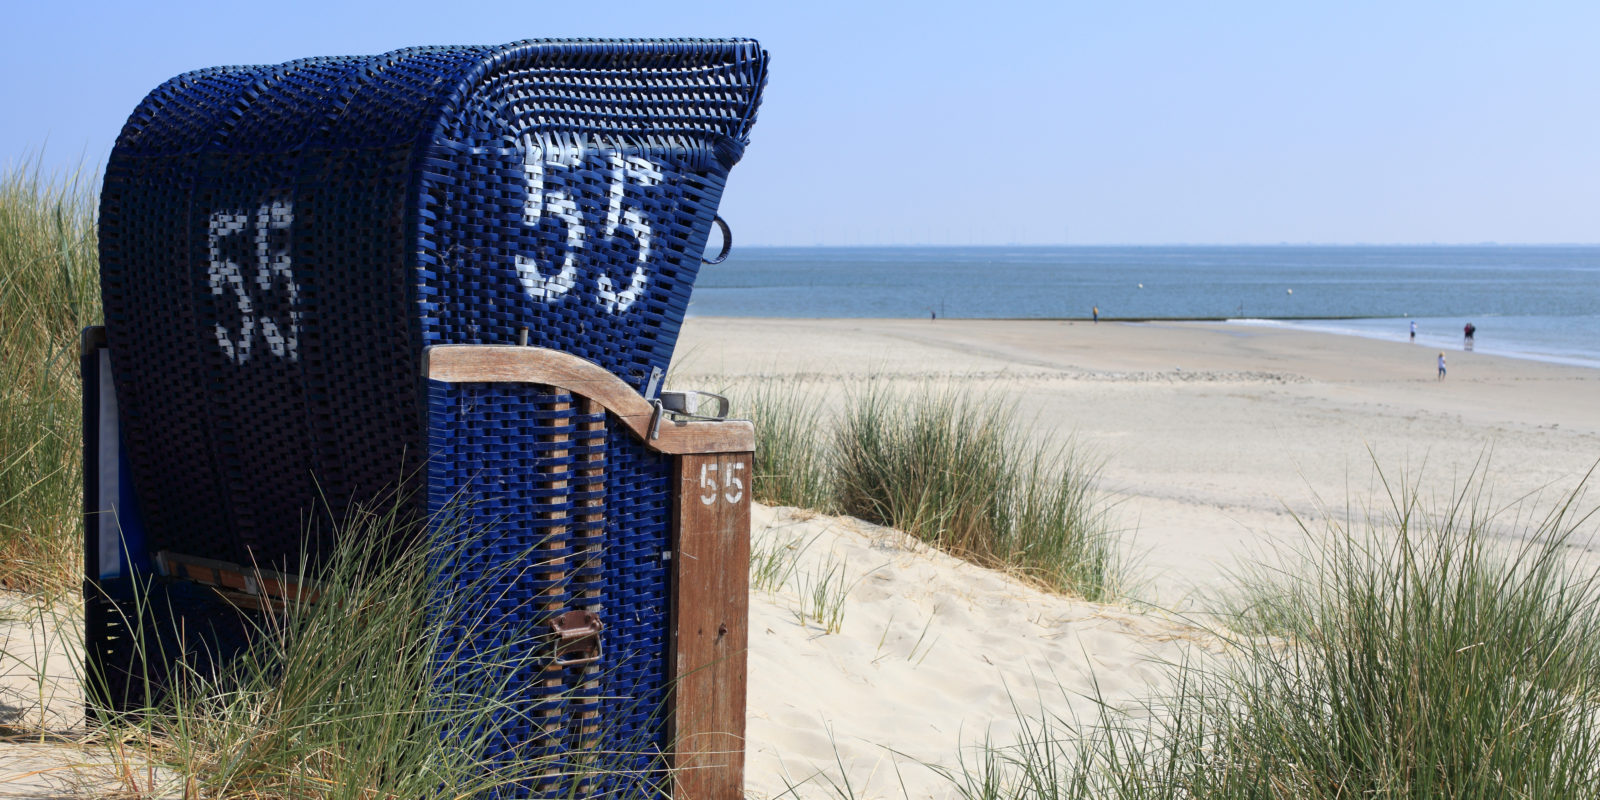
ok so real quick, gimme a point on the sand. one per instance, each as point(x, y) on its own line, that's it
point(1211, 433)
point(1216, 438)
point(1219, 441)
point(41, 710)
point(934, 655)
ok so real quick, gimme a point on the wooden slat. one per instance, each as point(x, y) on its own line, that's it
point(589, 474)
point(551, 719)
point(274, 588)
point(467, 363)
point(711, 611)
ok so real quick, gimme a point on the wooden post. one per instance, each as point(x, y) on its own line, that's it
point(711, 612)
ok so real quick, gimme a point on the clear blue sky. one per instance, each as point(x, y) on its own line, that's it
point(995, 122)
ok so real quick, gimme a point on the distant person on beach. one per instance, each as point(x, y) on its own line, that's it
point(1441, 366)
point(1413, 330)
point(1097, 315)
point(932, 315)
point(1469, 330)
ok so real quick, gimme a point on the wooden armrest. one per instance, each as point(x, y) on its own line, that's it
point(473, 363)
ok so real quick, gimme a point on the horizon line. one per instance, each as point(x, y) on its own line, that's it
point(1181, 244)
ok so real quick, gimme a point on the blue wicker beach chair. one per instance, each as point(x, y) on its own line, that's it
point(282, 244)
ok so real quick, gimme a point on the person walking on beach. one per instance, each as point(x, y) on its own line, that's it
point(1097, 315)
point(1466, 344)
point(1441, 366)
point(1413, 331)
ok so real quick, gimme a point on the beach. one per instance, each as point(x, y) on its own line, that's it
point(1212, 434)
point(1222, 444)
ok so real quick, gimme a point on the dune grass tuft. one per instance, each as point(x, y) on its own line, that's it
point(775, 559)
point(791, 467)
point(960, 472)
point(1437, 651)
point(955, 470)
point(1443, 650)
point(49, 290)
point(374, 690)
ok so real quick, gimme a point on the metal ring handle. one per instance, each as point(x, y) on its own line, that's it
point(727, 243)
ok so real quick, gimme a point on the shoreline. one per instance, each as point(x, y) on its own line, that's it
point(1218, 439)
point(1308, 323)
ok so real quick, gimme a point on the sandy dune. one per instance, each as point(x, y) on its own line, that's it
point(1215, 438)
point(934, 655)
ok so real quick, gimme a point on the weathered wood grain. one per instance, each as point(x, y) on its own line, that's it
point(464, 363)
point(711, 612)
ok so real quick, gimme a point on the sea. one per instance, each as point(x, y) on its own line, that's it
point(1536, 302)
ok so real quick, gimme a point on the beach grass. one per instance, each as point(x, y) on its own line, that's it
point(49, 291)
point(775, 559)
point(1446, 649)
point(962, 472)
point(959, 471)
point(1436, 650)
point(375, 689)
point(791, 465)
point(823, 590)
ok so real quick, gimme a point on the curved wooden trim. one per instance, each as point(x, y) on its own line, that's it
point(498, 363)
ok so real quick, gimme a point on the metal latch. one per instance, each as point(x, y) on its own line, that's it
point(577, 638)
point(691, 404)
point(686, 404)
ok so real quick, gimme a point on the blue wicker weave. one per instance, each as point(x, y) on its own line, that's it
point(278, 245)
point(563, 513)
